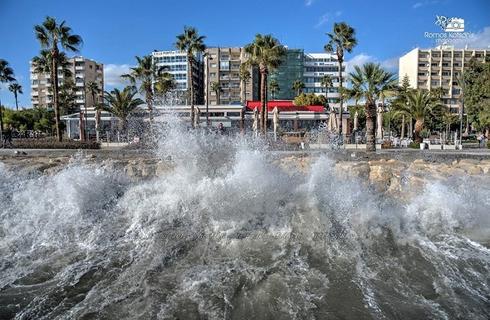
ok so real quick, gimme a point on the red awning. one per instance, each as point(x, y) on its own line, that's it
point(284, 105)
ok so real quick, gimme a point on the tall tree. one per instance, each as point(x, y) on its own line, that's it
point(371, 81)
point(192, 44)
point(421, 106)
point(6, 75)
point(51, 35)
point(355, 93)
point(164, 83)
point(298, 86)
point(476, 90)
point(67, 97)
point(274, 88)
point(245, 77)
point(16, 88)
point(267, 53)
point(149, 77)
point(121, 104)
point(216, 88)
point(92, 88)
point(342, 39)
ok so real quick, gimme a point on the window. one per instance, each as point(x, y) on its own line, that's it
point(224, 65)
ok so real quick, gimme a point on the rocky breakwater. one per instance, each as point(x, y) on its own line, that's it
point(398, 178)
point(135, 167)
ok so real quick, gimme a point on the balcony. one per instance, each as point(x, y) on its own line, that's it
point(79, 68)
point(79, 101)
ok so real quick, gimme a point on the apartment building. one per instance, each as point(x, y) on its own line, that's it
point(222, 65)
point(439, 67)
point(316, 66)
point(175, 63)
point(83, 71)
point(290, 70)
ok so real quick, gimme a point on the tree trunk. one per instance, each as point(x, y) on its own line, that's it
point(263, 99)
point(16, 102)
point(379, 123)
point(97, 125)
point(243, 92)
point(190, 83)
point(402, 131)
point(410, 127)
point(419, 125)
point(341, 99)
point(218, 98)
point(370, 127)
point(54, 79)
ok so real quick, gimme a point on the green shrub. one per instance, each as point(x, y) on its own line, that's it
point(309, 100)
point(53, 144)
point(414, 145)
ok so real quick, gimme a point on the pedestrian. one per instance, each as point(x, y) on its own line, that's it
point(481, 140)
point(221, 128)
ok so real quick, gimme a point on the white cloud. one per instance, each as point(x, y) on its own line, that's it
point(327, 17)
point(322, 20)
point(113, 72)
point(309, 2)
point(479, 40)
point(420, 4)
point(360, 59)
point(391, 64)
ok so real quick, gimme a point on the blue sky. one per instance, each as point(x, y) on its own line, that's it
point(114, 31)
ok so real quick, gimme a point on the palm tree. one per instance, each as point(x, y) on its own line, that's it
point(353, 93)
point(449, 118)
point(341, 39)
point(6, 75)
point(419, 105)
point(51, 35)
point(298, 86)
point(245, 78)
point(327, 83)
point(274, 88)
point(149, 77)
point(6, 72)
point(192, 44)
point(121, 104)
point(372, 82)
point(267, 53)
point(216, 88)
point(16, 88)
point(93, 89)
point(67, 97)
point(164, 83)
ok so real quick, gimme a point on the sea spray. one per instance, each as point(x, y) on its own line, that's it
point(227, 234)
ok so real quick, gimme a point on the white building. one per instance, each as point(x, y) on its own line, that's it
point(439, 67)
point(317, 65)
point(175, 63)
